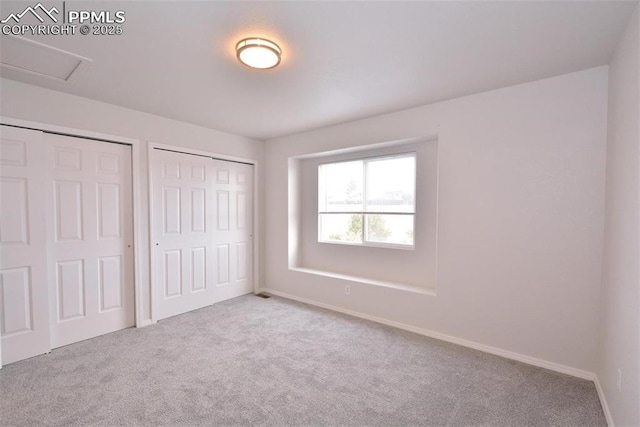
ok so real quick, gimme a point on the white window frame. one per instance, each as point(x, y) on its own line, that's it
point(364, 212)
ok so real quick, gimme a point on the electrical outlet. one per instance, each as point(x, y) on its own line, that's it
point(619, 380)
point(347, 289)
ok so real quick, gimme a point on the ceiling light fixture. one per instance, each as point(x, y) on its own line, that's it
point(258, 53)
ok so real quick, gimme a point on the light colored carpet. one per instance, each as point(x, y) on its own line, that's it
point(254, 361)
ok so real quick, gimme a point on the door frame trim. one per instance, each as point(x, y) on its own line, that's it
point(256, 210)
point(135, 179)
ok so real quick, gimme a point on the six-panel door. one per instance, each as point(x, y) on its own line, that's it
point(203, 230)
point(183, 218)
point(234, 229)
point(24, 325)
point(91, 234)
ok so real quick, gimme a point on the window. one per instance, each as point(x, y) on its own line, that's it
point(368, 202)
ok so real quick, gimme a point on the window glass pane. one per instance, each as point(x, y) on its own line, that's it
point(391, 184)
point(397, 229)
point(340, 228)
point(340, 187)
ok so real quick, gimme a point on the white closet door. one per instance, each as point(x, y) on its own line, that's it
point(183, 232)
point(91, 235)
point(24, 304)
point(234, 229)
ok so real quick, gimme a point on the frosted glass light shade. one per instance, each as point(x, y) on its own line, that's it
point(258, 53)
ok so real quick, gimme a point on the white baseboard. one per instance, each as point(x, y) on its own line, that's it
point(145, 322)
point(448, 338)
point(603, 402)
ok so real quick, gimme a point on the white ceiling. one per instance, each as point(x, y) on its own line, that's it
point(342, 60)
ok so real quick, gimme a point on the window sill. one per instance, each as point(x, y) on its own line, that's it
point(391, 285)
point(369, 244)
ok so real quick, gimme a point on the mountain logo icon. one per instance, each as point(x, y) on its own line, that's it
point(38, 11)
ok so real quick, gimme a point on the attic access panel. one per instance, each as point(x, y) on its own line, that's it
point(24, 55)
